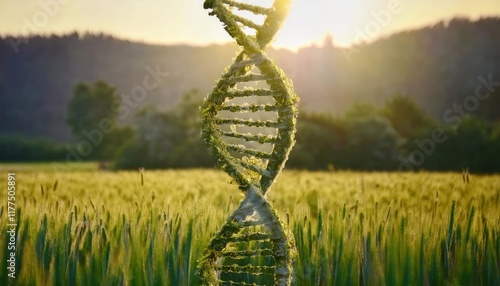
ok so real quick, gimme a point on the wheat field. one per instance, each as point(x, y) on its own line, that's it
point(89, 227)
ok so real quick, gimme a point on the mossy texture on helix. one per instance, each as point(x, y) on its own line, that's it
point(253, 247)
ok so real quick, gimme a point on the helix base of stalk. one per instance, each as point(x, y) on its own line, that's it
point(252, 248)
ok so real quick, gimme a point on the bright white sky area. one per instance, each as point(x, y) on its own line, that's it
point(186, 22)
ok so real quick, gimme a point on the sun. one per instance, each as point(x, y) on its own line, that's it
point(310, 20)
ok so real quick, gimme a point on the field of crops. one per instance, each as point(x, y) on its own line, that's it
point(87, 227)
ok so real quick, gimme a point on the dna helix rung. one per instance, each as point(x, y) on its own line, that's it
point(248, 122)
point(264, 32)
point(278, 131)
point(252, 247)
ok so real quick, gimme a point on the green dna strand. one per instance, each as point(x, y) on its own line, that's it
point(248, 122)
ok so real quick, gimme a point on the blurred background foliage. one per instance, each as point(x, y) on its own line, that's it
point(366, 137)
point(365, 108)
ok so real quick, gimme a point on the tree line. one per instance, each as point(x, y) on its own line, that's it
point(396, 135)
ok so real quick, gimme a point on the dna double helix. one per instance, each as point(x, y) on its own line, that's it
point(248, 122)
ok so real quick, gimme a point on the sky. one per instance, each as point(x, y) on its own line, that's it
point(186, 22)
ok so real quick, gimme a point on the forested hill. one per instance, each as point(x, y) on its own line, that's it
point(437, 65)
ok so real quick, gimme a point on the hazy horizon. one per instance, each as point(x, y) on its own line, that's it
point(186, 22)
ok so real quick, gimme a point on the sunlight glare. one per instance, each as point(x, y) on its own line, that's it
point(310, 21)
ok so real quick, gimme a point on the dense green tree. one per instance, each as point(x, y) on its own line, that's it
point(373, 143)
point(489, 108)
point(473, 145)
point(91, 117)
point(22, 149)
point(360, 140)
point(321, 140)
point(406, 117)
point(90, 105)
point(167, 139)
